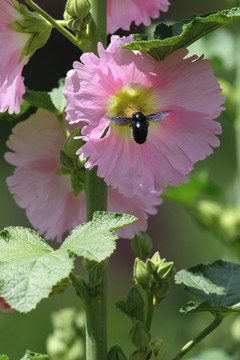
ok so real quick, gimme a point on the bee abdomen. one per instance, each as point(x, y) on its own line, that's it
point(139, 131)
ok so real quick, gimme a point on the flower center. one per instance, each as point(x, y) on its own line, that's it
point(130, 98)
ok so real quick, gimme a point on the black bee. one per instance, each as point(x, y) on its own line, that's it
point(138, 123)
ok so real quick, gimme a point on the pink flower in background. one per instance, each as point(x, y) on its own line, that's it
point(120, 82)
point(11, 46)
point(4, 307)
point(120, 13)
point(47, 197)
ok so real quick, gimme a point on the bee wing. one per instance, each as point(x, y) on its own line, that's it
point(157, 116)
point(119, 120)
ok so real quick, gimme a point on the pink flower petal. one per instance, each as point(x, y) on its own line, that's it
point(122, 12)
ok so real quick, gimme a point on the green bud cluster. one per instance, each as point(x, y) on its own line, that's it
point(153, 351)
point(67, 340)
point(153, 276)
point(35, 25)
point(71, 164)
point(77, 13)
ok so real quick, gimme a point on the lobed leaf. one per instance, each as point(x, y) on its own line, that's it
point(95, 240)
point(29, 268)
point(217, 285)
point(169, 39)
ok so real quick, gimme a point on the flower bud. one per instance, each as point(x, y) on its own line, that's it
point(139, 335)
point(94, 271)
point(164, 271)
point(77, 8)
point(157, 347)
point(151, 266)
point(140, 274)
point(142, 245)
point(81, 288)
point(160, 291)
point(156, 258)
point(33, 24)
point(71, 144)
point(116, 353)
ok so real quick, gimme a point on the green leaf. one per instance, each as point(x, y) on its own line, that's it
point(40, 99)
point(4, 357)
point(56, 96)
point(213, 354)
point(29, 268)
point(217, 285)
point(183, 34)
point(95, 240)
point(34, 356)
point(187, 194)
point(21, 115)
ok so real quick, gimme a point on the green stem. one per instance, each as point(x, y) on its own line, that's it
point(98, 25)
point(237, 122)
point(150, 309)
point(96, 198)
point(186, 348)
point(62, 125)
point(54, 23)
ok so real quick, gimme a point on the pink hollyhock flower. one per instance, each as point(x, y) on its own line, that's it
point(120, 13)
point(11, 46)
point(121, 82)
point(48, 197)
point(21, 33)
point(4, 307)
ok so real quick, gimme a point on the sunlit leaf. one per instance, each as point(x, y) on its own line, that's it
point(184, 33)
point(29, 268)
point(57, 96)
point(95, 240)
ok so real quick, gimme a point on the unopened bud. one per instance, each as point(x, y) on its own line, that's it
point(151, 266)
point(81, 288)
point(116, 353)
point(71, 144)
point(156, 259)
point(140, 274)
point(139, 335)
point(78, 8)
point(157, 347)
point(164, 271)
point(35, 25)
point(161, 291)
point(142, 245)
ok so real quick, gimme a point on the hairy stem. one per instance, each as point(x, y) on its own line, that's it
point(205, 332)
point(150, 309)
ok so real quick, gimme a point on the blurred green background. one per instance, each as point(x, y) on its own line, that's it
point(175, 233)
